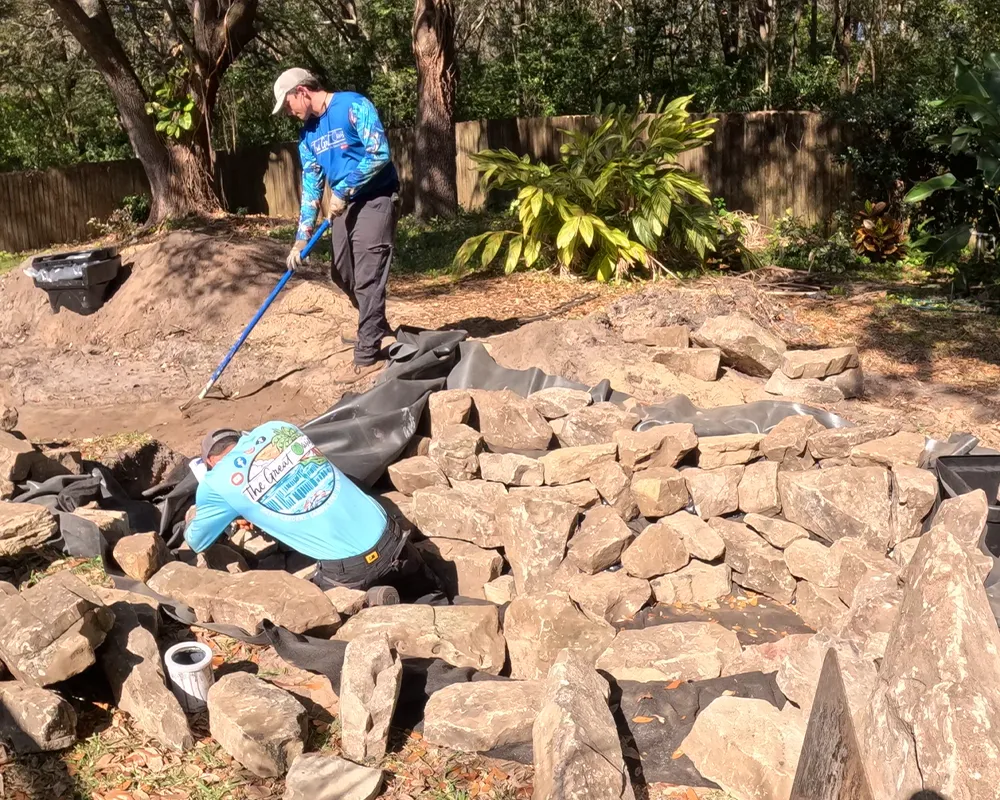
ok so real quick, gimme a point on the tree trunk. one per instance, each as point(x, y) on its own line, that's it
point(793, 56)
point(177, 188)
point(727, 18)
point(814, 33)
point(434, 136)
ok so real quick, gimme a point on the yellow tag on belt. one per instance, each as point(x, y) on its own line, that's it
point(372, 557)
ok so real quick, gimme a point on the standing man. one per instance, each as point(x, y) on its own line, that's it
point(342, 142)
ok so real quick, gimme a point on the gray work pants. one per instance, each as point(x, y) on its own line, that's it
point(363, 241)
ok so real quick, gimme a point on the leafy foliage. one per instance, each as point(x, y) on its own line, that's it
point(796, 245)
point(878, 236)
point(173, 108)
point(616, 200)
point(977, 95)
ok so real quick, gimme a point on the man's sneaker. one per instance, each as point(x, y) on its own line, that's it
point(381, 596)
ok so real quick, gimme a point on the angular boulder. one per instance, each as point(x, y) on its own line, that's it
point(786, 442)
point(261, 726)
point(776, 532)
point(448, 407)
point(662, 336)
point(755, 564)
point(819, 363)
point(462, 567)
point(726, 451)
point(900, 450)
point(930, 721)
point(500, 590)
point(698, 583)
point(821, 609)
point(557, 402)
point(599, 541)
point(747, 747)
point(656, 446)
point(534, 535)
point(346, 602)
point(745, 345)
point(609, 596)
point(49, 632)
point(247, 599)
point(17, 457)
point(574, 464)
point(24, 526)
point(456, 451)
point(833, 389)
point(141, 555)
point(659, 491)
point(34, 720)
point(463, 636)
point(511, 469)
point(450, 514)
point(658, 550)
point(814, 562)
point(714, 492)
point(758, 489)
point(577, 753)
point(133, 667)
point(915, 491)
point(614, 486)
point(839, 442)
point(190, 585)
point(539, 626)
point(682, 651)
point(418, 472)
point(369, 688)
point(700, 539)
point(595, 424)
point(766, 657)
point(698, 362)
point(838, 502)
point(113, 525)
point(509, 422)
point(318, 776)
point(872, 615)
point(856, 562)
point(582, 495)
point(479, 716)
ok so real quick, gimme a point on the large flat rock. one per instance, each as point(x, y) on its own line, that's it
point(479, 716)
point(684, 651)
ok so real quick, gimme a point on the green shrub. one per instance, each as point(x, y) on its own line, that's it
point(615, 204)
point(797, 245)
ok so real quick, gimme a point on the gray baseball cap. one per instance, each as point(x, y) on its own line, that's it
point(214, 438)
point(287, 81)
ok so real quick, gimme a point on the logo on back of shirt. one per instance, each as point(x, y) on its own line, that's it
point(335, 138)
point(290, 476)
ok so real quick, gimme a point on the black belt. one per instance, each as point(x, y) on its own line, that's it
point(388, 546)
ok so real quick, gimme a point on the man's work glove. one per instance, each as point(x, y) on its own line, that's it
point(294, 260)
point(338, 205)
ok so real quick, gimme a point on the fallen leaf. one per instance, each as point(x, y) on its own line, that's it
point(690, 794)
point(673, 684)
point(728, 693)
point(642, 720)
point(676, 754)
point(104, 761)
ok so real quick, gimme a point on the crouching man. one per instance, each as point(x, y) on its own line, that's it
point(276, 479)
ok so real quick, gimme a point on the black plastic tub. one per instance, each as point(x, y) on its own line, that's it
point(79, 282)
point(963, 474)
point(76, 275)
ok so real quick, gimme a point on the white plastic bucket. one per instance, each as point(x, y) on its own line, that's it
point(189, 665)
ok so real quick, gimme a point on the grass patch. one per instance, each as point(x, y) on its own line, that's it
point(421, 248)
point(10, 260)
point(95, 447)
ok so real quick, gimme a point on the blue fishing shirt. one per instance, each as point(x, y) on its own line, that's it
point(276, 479)
point(346, 146)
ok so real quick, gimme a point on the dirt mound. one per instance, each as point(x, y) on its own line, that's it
point(590, 349)
point(205, 286)
point(692, 304)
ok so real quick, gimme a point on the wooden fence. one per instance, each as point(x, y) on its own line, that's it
point(763, 163)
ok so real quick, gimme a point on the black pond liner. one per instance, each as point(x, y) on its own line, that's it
point(80, 282)
point(960, 475)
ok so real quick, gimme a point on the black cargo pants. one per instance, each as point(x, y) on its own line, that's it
point(363, 240)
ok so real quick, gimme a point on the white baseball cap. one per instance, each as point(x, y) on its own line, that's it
point(287, 81)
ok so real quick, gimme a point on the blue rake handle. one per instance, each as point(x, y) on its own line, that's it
point(256, 317)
